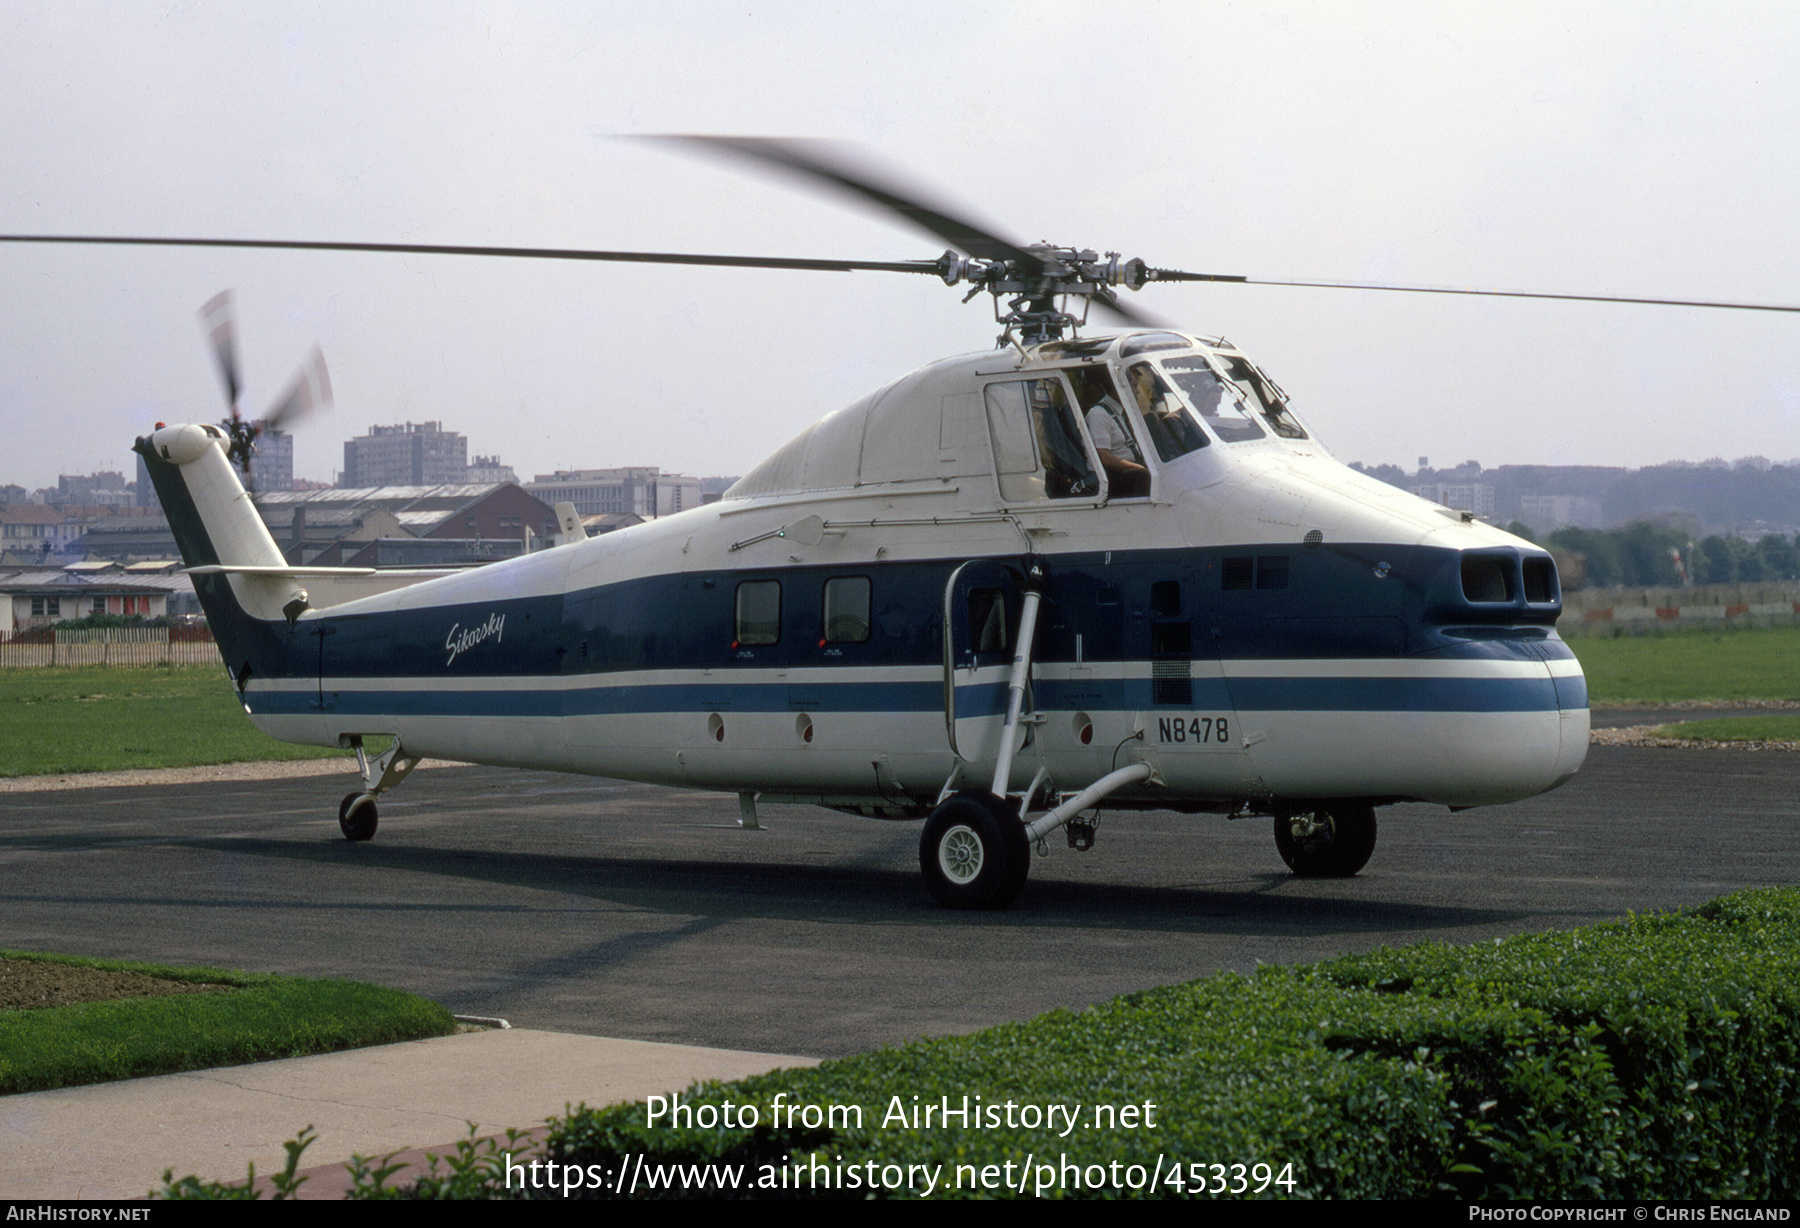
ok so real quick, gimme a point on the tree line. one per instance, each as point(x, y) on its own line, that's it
point(1644, 554)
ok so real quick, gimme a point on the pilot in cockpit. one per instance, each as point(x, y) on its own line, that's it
point(1120, 456)
point(1173, 432)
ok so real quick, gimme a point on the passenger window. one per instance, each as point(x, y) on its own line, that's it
point(987, 620)
point(758, 613)
point(846, 615)
point(1039, 450)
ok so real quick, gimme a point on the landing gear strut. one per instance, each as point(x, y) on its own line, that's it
point(1332, 841)
point(357, 815)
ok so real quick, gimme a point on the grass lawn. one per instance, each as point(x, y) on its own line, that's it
point(243, 1017)
point(1757, 663)
point(1738, 729)
point(99, 719)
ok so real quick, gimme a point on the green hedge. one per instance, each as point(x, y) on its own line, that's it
point(1654, 1057)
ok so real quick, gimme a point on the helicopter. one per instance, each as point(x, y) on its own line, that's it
point(1079, 571)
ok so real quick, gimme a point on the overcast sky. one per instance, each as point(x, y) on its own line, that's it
point(1632, 149)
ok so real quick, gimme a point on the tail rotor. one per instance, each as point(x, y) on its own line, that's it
point(309, 391)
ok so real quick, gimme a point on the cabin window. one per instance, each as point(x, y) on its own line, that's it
point(1143, 343)
point(988, 631)
point(1172, 430)
point(1039, 450)
point(1224, 414)
point(1272, 571)
point(846, 613)
point(97, 606)
point(758, 613)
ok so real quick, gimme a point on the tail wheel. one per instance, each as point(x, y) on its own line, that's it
point(357, 816)
point(1330, 842)
point(974, 853)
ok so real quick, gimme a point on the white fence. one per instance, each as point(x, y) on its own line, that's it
point(1639, 611)
point(109, 646)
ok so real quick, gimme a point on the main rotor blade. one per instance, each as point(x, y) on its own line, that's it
point(1137, 317)
point(1179, 275)
point(216, 318)
point(527, 253)
point(836, 165)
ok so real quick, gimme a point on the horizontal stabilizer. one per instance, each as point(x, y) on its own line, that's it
point(228, 569)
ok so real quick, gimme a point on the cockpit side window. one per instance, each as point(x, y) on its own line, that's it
point(1258, 392)
point(1219, 406)
point(1108, 425)
point(1039, 450)
point(1173, 432)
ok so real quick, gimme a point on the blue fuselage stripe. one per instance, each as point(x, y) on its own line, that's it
point(1248, 694)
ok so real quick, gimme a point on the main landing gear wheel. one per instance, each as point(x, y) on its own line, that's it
point(1330, 842)
point(357, 816)
point(974, 852)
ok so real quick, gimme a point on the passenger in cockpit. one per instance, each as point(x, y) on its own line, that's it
point(1172, 431)
point(1120, 456)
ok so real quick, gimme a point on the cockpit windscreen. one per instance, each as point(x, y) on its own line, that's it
point(1172, 429)
point(1259, 393)
point(1220, 408)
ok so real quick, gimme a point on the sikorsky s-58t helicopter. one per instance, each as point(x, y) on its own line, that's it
point(1000, 593)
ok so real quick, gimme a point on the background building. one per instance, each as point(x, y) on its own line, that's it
point(391, 525)
point(272, 468)
point(484, 469)
point(407, 454)
point(642, 491)
point(106, 489)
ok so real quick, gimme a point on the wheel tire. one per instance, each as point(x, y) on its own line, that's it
point(357, 816)
point(974, 853)
point(1339, 851)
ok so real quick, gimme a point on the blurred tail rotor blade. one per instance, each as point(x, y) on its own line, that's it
point(217, 318)
point(311, 390)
